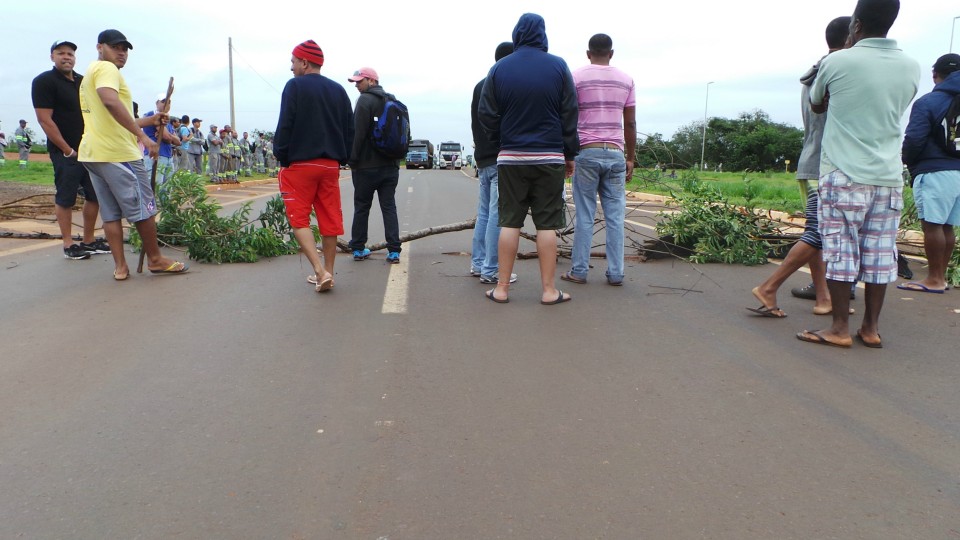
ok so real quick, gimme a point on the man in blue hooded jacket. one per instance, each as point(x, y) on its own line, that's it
point(936, 174)
point(529, 104)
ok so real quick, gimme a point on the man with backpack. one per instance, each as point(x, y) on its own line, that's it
point(374, 169)
point(930, 152)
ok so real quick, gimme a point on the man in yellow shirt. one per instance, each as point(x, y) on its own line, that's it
point(110, 152)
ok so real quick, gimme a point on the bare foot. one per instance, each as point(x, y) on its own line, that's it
point(769, 302)
point(824, 337)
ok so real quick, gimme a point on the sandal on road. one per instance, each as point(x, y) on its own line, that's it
point(176, 267)
point(773, 312)
point(489, 294)
point(561, 298)
point(815, 337)
point(325, 285)
point(567, 276)
point(871, 344)
point(916, 286)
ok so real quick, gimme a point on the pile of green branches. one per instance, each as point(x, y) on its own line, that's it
point(190, 218)
point(704, 222)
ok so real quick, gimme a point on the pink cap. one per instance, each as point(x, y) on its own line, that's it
point(364, 73)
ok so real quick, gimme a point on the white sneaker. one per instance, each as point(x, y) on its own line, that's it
point(492, 280)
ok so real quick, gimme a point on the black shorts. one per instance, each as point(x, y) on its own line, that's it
point(811, 231)
point(537, 188)
point(70, 177)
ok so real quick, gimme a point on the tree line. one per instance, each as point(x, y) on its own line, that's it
point(752, 141)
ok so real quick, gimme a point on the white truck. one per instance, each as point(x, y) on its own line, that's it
point(451, 155)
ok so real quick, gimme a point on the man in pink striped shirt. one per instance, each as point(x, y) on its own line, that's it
point(607, 128)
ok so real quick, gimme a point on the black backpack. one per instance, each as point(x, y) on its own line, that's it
point(949, 127)
point(391, 129)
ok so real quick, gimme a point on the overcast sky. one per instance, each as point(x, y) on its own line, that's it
point(431, 54)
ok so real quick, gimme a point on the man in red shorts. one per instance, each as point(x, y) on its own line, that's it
point(313, 138)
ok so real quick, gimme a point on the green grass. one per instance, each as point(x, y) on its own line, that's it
point(41, 174)
point(770, 191)
point(35, 173)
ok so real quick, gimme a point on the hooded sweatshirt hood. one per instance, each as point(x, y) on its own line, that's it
point(923, 142)
point(531, 31)
point(950, 85)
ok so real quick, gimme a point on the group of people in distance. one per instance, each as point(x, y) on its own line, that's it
point(852, 101)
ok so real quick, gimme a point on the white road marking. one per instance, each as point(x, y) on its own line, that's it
point(398, 285)
point(410, 189)
point(34, 247)
point(652, 228)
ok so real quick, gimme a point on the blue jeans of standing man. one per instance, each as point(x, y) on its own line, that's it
point(486, 232)
point(382, 181)
point(599, 171)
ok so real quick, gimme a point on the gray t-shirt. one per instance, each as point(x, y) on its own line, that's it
point(808, 166)
point(211, 147)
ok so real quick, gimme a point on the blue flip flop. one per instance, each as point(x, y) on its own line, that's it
point(918, 287)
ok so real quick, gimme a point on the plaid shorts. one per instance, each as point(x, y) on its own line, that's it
point(858, 227)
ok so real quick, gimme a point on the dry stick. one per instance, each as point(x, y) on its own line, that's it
point(161, 128)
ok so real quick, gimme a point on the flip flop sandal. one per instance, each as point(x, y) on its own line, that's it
point(567, 276)
point(324, 285)
point(877, 345)
point(916, 286)
point(560, 299)
point(773, 312)
point(176, 267)
point(489, 294)
point(813, 337)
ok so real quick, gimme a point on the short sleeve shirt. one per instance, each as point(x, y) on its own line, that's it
point(52, 90)
point(166, 149)
point(184, 134)
point(213, 148)
point(104, 139)
point(602, 94)
point(870, 85)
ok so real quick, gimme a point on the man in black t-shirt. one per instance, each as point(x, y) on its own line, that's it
point(56, 100)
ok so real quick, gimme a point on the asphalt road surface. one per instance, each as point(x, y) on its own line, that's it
point(233, 402)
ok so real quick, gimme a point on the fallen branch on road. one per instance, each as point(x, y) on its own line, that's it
point(416, 235)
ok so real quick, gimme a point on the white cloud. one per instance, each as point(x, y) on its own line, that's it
point(431, 54)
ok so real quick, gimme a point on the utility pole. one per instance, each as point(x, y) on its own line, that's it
point(703, 145)
point(233, 116)
point(953, 28)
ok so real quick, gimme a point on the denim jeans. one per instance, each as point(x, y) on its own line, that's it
point(486, 233)
point(599, 171)
point(383, 181)
point(164, 168)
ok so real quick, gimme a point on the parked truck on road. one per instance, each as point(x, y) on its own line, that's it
point(451, 155)
point(420, 154)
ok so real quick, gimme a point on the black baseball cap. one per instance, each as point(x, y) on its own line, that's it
point(113, 37)
point(60, 43)
point(947, 64)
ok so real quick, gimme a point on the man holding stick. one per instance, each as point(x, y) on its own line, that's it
point(110, 153)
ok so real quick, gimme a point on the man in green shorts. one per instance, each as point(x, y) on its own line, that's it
point(529, 104)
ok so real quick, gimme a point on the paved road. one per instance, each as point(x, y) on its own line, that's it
point(233, 402)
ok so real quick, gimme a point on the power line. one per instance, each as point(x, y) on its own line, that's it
point(255, 71)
